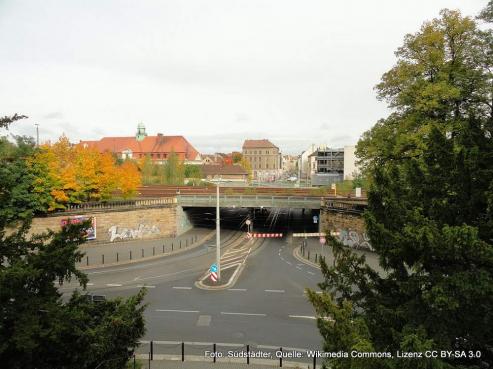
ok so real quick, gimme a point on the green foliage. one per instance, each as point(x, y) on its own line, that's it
point(430, 209)
point(193, 171)
point(39, 330)
point(17, 196)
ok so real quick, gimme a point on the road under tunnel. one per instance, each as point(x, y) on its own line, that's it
point(262, 219)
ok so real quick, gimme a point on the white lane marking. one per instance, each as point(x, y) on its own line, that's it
point(299, 268)
point(289, 263)
point(113, 285)
point(246, 314)
point(275, 291)
point(177, 311)
point(182, 288)
point(311, 273)
point(302, 316)
point(282, 259)
point(145, 285)
point(237, 289)
point(90, 284)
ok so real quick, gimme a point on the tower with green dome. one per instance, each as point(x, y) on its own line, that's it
point(141, 132)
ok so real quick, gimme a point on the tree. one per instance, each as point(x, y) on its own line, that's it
point(430, 210)
point(174, 170)
point(37, 328)
point(6, 121)
point(237, 157)
point(248, 167)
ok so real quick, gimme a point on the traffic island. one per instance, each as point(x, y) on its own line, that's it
point(231, 272)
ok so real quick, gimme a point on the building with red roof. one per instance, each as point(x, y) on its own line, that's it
point(158, 148)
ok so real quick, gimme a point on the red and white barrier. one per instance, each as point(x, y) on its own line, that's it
point(264, 235)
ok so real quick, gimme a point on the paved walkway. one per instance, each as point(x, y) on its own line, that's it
point(123, 251)
point(177, 364)
point(314, 249)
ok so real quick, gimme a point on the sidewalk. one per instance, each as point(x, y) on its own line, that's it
point(313, 249)
point(176, 364)
point(122, 252)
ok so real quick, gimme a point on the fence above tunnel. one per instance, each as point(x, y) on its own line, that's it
point(250, 201)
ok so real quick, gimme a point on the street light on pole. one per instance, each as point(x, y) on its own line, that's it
point(218, 233)
point(37, 134)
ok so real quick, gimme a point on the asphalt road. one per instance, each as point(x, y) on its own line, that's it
point(267, 306)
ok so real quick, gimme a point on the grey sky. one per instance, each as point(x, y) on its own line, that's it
point(215, 71)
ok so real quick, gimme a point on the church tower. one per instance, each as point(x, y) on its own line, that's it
point(141, 132)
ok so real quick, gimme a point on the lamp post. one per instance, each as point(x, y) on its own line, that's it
point(218, 233)
point(37, 134)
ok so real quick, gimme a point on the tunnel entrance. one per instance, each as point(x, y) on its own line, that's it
point(263, 219)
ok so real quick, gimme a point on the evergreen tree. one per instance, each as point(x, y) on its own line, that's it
point(430, 211)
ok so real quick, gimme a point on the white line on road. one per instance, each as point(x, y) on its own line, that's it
point(302, 316)
point(237, 289)
point(145, 285)
point(90, 284)
point(299, 268)
point(177, 311)
point(311, 273)
point(289, 262)
point(182, 288)
point(275, 291)
point(247, 314)
point(113, 285)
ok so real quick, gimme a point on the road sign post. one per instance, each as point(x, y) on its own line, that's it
point(213, 272)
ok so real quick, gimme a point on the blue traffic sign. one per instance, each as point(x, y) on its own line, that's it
point(213, 268)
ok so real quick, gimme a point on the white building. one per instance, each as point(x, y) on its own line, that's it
point(351, 169)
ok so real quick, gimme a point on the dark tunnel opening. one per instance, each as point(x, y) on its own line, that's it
point(263, 219)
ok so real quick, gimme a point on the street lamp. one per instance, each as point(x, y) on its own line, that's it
point(37, 134)
point(218, 232)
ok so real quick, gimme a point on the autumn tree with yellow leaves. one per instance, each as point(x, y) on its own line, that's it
point(67, 174)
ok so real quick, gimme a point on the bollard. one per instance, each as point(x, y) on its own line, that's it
point(130, 254)
point(180, 244)
point(308, 254)
point(87, 260)
point(280, 358)
point(153, 251)
point(214, 350)
point(117, 257)
point(142, 252)
point(248, 354)
point(163, 248)
point(152, 350)
point(149, 357)
point(134, 361)
point(171, 246)
point(183, 351)
point(314, 361)
point(315, 258)
point(102, 259)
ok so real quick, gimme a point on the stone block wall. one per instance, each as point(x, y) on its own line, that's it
point(351, 228)
point(119, 225)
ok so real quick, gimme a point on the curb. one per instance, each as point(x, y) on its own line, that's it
point(269, 363)
point(199, 242)
point(297, 255)
point(234, 278)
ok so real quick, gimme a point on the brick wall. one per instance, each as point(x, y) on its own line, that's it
point(120, 225)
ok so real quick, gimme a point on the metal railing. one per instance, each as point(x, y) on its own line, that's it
point(149, 202)
point(276, 356)
point(251, 201)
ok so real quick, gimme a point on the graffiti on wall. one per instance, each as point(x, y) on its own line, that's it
point(355, 239)
point(123, 233)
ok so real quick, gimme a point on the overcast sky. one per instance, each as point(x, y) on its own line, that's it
point(216, 71)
